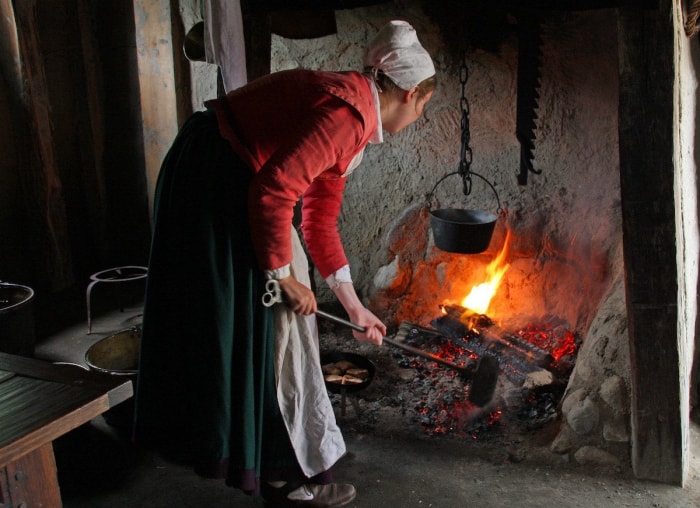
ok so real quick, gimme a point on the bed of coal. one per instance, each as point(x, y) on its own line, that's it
point(412, 395)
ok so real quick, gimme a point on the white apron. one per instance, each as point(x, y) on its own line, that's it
point(301, 391)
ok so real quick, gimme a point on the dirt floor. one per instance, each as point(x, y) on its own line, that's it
point(393, 459)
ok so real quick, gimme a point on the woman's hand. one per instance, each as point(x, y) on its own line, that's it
point(360, 315)
point(375, 330)
point(297, 296)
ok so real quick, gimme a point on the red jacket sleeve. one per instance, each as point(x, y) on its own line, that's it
point(311, 150)
point(320, 210)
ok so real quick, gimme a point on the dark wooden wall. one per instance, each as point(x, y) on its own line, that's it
point(77, 198)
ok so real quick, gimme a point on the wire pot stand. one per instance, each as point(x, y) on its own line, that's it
point(120, 274)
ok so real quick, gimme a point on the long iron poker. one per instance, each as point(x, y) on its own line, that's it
point(484, 377)
point(425, 354)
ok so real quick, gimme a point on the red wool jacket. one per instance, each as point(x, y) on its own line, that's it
point(298, 131)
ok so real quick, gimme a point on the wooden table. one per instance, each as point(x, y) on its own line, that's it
point(39, 402)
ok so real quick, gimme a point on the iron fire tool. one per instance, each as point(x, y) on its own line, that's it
point(484, 376)
point(529, 65)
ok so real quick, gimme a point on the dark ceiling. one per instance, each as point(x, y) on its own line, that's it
point(272, 5)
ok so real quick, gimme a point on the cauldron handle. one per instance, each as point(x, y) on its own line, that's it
point(499, 210)
point(430, 196)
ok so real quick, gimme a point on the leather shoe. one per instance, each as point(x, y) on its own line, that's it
point(325, 496)
point(276, 497)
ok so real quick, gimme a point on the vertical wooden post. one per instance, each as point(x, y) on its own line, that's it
point(45, 172)
point(156, 82)
point(258, 39)
point(31, 480)
point(646, 124)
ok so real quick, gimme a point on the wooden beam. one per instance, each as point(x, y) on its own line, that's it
point(44, 173)
point(258, 39)
point(181, 66)
point(646, 129)
point(157, 83)
point(31, 480)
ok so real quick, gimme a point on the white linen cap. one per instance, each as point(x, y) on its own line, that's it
point(396, 52)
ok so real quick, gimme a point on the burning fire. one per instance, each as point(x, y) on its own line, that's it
point(480, 296)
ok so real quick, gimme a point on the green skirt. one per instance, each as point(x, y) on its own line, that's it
point(205, 390)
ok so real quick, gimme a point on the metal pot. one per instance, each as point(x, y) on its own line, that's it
point(117, 354)
point(17, 333)
point(194, 43)
point(456, 230)
point(462, 231)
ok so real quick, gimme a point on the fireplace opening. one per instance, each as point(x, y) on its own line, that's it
point(535, 358)
point(548, 305)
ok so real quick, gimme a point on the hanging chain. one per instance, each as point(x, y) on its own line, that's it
point(465, 159)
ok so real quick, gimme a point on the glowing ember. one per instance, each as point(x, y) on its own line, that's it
point(452, 352)
point(559, 341)
point(480, 295)
point(443, 406)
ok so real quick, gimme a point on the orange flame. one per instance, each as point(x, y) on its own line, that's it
point(480, 296)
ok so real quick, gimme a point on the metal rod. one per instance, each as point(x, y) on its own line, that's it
point(484, 378)
point(396, 343)
point(340, 320)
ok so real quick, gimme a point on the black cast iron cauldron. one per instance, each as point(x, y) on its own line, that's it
point(463, 231)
